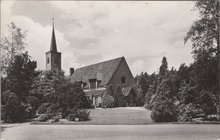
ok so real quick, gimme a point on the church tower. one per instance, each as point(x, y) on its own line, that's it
point(53, 58)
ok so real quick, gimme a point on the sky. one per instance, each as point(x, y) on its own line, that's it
point(89, 32)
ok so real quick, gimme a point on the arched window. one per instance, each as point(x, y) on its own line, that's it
point(123, 80)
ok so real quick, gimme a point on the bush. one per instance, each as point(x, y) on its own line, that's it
point(164, 111)
point(43, 118)
point(52, 110)
point(211, 118)
point(83, 115)
point(188, 112)
point(56, 118)
point(108, 101)
point(14, 109)
point(43, 108)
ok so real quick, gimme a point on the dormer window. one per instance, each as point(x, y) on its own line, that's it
point(123, 80)
point(92, 83)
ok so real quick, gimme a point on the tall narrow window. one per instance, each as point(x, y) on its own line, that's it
point(48, 60)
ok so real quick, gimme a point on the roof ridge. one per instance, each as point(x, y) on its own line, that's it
point(101, 62)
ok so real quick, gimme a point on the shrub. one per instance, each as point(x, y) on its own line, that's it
point(164, 111)
point(188, 112)
point(108, 101)
point(56, 118)
point(43, 108)
point(43, 118)
point(82, 114)
point(71, 117)
point(52, 110)
point(14, 109)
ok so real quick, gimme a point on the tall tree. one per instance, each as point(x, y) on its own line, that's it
point(205, 37)
point(11, 45)
point(20, 74)
point(163, 67)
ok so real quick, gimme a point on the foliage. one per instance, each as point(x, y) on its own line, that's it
point(43, 118)
point(108, 99)
point(53, 88)
point(46, 84)
point(33, 103)
point(164, 110)
point(56, 118)
point(20, 74)
point(163, 67)
point(11, 45)
point(52, 111)
point(204, 32)
point(72, 96)
point(204, 35)
point(82, 114)
point(43, 108)
point(14, 109)
point(187, 112)
point(120, 100)
point(143, 84)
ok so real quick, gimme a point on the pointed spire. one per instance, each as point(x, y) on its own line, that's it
point(53, 45)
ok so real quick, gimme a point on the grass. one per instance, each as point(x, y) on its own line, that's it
point(122, 115)
point(113, 116)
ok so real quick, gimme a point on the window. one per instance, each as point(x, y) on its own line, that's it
point(48, 60)
point(123, 80)
point(92, 84)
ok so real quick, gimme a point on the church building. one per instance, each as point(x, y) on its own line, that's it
point(95, 78)
point(53, 58)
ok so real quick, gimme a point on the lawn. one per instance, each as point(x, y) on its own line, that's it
point(121, 115)
point(113, 116)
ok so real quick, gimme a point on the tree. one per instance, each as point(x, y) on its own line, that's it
point(20, 74)
point(53, 89)
point(163, 67)
point(163, 102)
point(164, 110)
point(14, 109)
point(120, 100)
point(149, 98)
point(11, 45)
point(204, 32)
point(108, 99)
point(204, 35)
point(142, 83)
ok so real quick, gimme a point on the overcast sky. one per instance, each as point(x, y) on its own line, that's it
point(88, 32)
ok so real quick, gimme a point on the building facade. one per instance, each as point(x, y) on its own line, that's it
point(95, 78)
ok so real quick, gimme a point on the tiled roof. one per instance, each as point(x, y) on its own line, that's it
point(102, 71)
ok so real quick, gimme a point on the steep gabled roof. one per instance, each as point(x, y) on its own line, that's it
point(106, 69)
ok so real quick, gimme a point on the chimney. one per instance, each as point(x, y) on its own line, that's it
point(71, 71)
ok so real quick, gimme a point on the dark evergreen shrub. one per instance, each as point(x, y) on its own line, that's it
point(164, 111)
point(14, 109)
